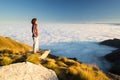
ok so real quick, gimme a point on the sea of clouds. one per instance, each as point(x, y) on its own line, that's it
point(70, 40)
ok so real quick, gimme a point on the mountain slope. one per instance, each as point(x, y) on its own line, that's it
point(12, 45)
point(65, 68)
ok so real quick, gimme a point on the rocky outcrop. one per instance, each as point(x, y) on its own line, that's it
point(114, 56)
point(113, 76)
point(26, 71)
point(112, 42)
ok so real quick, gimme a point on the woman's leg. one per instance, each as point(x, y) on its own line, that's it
point(35, 44)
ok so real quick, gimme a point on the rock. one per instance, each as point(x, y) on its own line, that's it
point(113, 76)
point(26, 71)
point(44, 54)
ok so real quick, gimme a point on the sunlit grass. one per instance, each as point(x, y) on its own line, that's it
point(12, 51)
point(60, 63)
point(8, 44)
point(34, 58)
point(5, 61)
point(73, 70)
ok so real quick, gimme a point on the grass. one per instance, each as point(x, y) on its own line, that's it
point(9, 44)
point(12, 51)
point(5, 61)
point(34, 58)
point(66, 69)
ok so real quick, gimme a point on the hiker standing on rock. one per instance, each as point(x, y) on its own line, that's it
point(34, 35)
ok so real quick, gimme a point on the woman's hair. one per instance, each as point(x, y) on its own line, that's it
point(33, 20)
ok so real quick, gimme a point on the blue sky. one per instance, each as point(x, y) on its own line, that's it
point(60, 11)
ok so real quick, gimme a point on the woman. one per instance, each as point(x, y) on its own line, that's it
point(34, 35)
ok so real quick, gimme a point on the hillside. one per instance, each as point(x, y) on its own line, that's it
point(7, 43)
point(114, 56)
point(65, 68)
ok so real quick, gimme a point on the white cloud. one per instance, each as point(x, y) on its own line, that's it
point(71, 40)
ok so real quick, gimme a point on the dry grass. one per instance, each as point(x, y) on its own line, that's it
point(85, 72)
point(12, 51)
point(5, 61)
point(34, 58)
point(51, 64)
point(60, 63)
point(68, 69)
point(12, 45)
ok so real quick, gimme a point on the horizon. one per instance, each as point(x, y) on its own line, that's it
point(60, 11)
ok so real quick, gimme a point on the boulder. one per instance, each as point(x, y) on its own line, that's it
point(26, 71)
